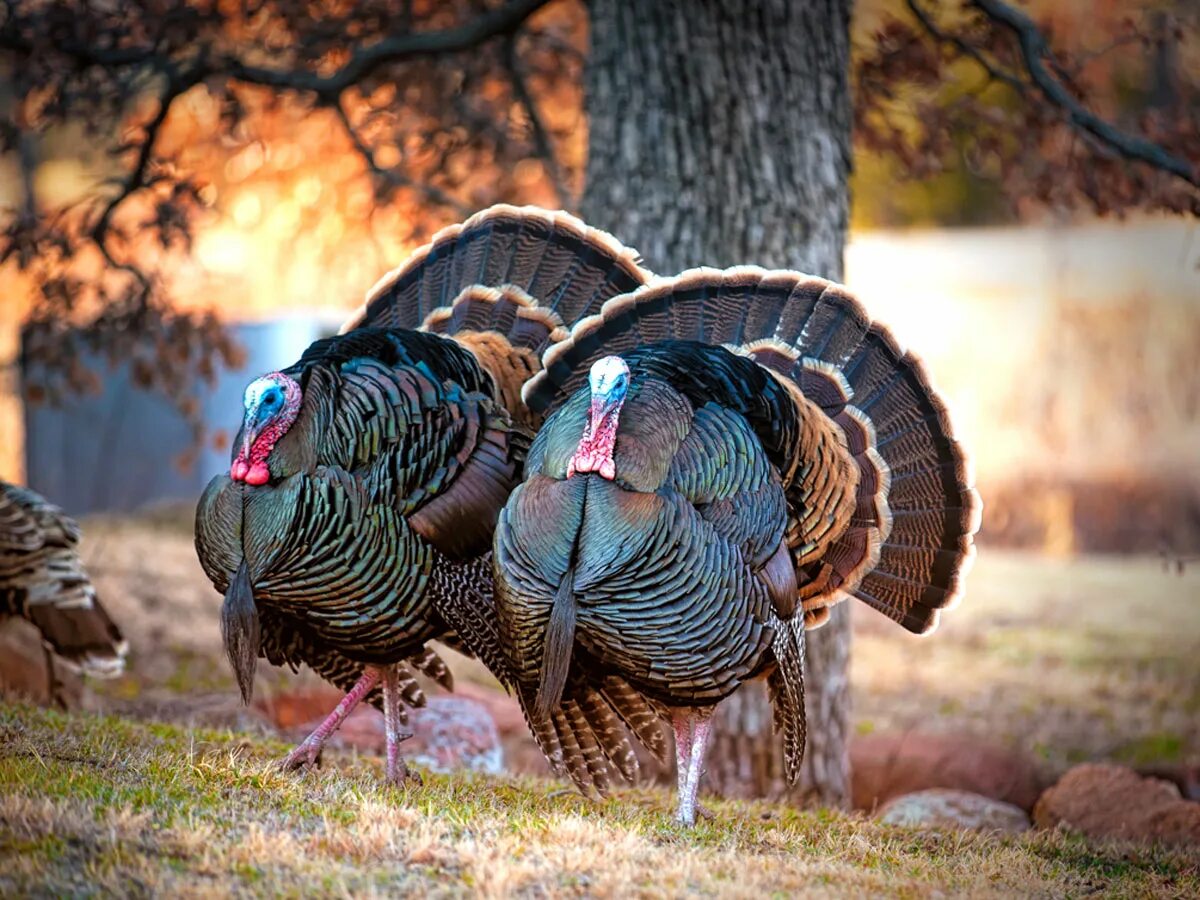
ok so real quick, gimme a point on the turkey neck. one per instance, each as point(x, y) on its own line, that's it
point(595, 450)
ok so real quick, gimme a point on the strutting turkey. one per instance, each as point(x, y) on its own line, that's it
point(732, 453)
point(356, 520)
point(43, 580)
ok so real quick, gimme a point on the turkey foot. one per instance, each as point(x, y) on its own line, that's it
point(397, 771)
point(692, 730)
point(308, 751)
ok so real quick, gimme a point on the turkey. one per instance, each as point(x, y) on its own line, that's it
point(730, 454)
point(355, 522)
point(43, 580)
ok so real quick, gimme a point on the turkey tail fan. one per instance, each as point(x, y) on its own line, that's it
point(82, 635)
point(882, 504)
point(504, 283)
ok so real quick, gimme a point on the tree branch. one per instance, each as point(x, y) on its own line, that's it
point(500, 21)
point(1035, 51)
point(134, 180)
point(541, 138)
point(433, 192)
point(966, 48)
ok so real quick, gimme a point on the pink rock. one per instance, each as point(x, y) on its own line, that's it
point(1106, 801)
point(504, 708)
point(884, 766)
point(941, 808)
point(1184, 777)
point(454, 733)
point(449, 734)
point(294, 709)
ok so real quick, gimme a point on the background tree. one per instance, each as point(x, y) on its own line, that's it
point(720, 133)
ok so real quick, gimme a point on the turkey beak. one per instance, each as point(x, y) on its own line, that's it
point(240, 630)
point(241, 463)
point(251, 428)
point(604, 408)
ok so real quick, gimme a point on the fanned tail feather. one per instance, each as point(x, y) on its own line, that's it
point(512, 274)
point(881, 492)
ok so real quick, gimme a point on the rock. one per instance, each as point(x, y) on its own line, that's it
point(23, 671)
point(453, 733)
point(522, 756)
point(1107, 801)
point(504, 708)
point(449, 734)
point(1184, 777)
point(941, 808)
point(293, 709)
point(884, 766)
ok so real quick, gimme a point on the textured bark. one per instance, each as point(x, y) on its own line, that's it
point(720, 135)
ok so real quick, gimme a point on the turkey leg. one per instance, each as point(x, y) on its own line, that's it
point(692, 730)
point(397, 771)
point(309, 749)
point(681, 724)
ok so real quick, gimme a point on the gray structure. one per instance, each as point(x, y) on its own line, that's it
point(115, 451)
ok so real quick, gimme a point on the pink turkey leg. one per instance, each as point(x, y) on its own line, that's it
point(700, 728)
point(681, 723)
point(310, 748)
point(397, 771)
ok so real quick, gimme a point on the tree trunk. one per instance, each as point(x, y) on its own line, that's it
point(720, 135)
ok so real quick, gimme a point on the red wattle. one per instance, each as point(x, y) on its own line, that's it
point(595, 450)
point(258, 474)
point(238, 470)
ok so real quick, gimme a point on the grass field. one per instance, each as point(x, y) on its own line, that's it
point(1089, 658)
point(170, 788)
point(94, 805)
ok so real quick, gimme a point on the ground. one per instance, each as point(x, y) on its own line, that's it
point(104, 805)
point(169, 786)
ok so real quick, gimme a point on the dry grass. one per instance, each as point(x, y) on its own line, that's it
point(95, 805)
point(1092, 658)
point(1096, 658)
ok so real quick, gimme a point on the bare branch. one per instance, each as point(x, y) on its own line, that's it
point(541, 137)
point(431, 191)
point(965, 47)
point(501, 21)
point(134, 181)
point(1035, 51)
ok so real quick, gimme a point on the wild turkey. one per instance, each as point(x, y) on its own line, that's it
point(43, 580)
point(732, 453)
point(357, 515)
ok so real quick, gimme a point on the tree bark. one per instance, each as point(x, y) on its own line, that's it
point(720, 135)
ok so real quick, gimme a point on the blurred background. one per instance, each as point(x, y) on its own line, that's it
point(1060, 317)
